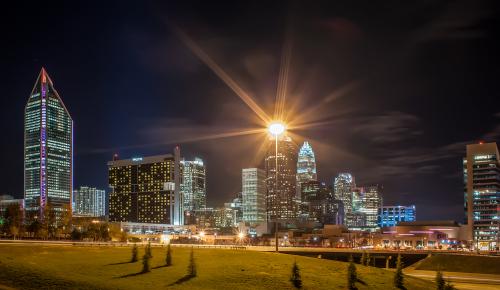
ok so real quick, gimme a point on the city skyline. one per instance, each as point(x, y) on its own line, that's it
point(407, 173)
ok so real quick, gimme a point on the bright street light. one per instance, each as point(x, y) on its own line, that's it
point(276, 128)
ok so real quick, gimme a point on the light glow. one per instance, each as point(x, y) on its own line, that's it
point(276, 128)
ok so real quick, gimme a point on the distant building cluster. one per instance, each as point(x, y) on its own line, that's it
point(89, 201)
point(164, 191)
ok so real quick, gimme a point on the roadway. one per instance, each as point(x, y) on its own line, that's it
point(463, 281)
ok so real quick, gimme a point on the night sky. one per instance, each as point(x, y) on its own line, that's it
point(403, 86)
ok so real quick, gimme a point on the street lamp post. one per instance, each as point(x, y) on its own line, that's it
point(276, 129)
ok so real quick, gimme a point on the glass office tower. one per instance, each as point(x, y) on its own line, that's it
point(482, 194)
point(48, 151)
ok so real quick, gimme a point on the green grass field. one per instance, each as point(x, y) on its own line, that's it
point(456, 263)
point(68, 267)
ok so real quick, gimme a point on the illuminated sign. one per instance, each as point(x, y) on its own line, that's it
point(135, 159)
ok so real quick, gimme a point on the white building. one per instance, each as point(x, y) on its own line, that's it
point(254, 195)
point(89, 201)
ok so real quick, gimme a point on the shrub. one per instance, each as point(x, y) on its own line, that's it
point(168, 259)
point(352, 276)
point(192, 265)
point(398, 275)
point(135, 253)
point(145, 263)
point(295, 278)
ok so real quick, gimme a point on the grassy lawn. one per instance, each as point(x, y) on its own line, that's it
point(59, 267)
point(457, 263)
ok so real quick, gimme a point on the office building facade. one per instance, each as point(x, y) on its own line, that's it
point(89, 201)
point(281, 169)
point(482, 194)
point(253, 190)
point(344, 186)
point(371, 202)
point(390, 216)
point(319, 204)
point(193, 184)
point(48, 151)
point(144, 190)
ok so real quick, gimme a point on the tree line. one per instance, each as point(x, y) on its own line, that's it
point(57, 223)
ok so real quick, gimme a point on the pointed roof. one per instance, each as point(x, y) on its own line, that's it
point(306, 150)
point(43, 77)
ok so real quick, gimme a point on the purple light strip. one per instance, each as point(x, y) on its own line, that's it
point(43, 151)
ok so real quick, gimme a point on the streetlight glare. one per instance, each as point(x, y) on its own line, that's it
point(276, 128)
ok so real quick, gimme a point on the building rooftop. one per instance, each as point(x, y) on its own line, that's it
point(140, 160)
point(444, 223)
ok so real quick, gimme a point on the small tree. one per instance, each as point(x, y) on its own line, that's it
point(192, 265)
point(449, 286)
point(135, 253)
point(367, 259)
point(168, 259)
point(439, 281)
point(295, 278)
point(145, 263)
point(363, 259)
point(398, 276)
point(148, 250)
point(14, 231)
point(352, 276)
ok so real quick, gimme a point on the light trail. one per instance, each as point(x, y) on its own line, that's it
point(245, 97)
point(311, 113)
point(187, 140)
point(281, 93)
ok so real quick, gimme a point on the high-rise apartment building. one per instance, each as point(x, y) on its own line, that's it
point(390, 216)
point(482, 194)
point(193, 184)
point(144, 190)
point(344, 186)
point(253, 181)
point(48, 151)
point(89, 201)
point(281, 181)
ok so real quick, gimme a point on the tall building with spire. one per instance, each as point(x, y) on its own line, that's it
point(48, 151)
point(281, 180)
point(306, 164)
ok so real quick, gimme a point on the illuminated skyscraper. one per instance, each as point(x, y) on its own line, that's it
point(344, 187)
point(48, 150)
point(306, 164)
point(254, 195)
point(89, 201)
point(371, 202)
point(143, 190)
point(482, 194)
point(193, 184)
point(282, 204)
point(319, 203)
